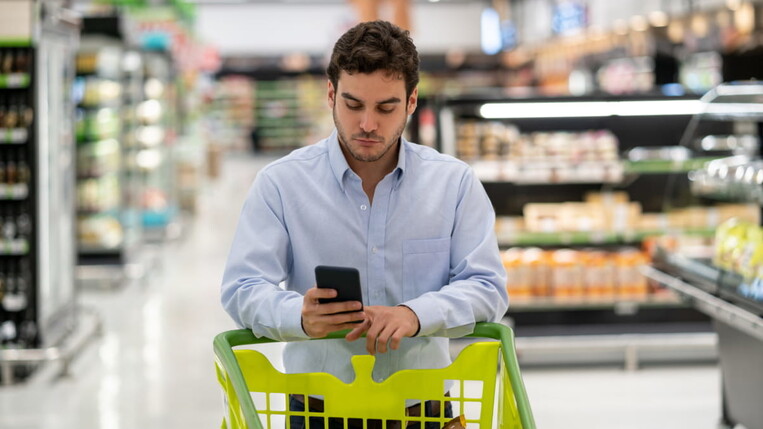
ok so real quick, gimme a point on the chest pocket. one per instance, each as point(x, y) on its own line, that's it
point(426, 264)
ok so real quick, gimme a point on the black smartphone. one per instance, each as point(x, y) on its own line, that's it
point(345, 280)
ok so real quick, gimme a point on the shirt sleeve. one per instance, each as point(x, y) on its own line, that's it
point(477, 288)
point(258, 262)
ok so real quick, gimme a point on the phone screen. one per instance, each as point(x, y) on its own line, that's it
point(345, 280)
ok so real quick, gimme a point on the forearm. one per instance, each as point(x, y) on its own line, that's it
point(456, 308)
point(266, 309)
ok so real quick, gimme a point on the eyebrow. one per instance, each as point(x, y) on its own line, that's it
point(390, 100)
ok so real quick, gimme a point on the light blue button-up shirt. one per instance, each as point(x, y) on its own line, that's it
point(427, 241)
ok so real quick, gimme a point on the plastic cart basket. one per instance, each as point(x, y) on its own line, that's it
point(485, 376)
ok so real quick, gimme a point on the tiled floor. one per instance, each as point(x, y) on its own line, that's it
point(152, 367)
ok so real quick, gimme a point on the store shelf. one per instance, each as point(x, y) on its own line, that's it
point(14, 247)
point(548, 172)
point(584, 172)
point(619, 305)
point(95, 175)
point(19, 191)
point(14, 80)
point(13, 135)
point(85, 250)
point(665, 166)
point(595, 238)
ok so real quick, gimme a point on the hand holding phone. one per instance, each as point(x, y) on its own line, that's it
point(345, 280)
point(320, 319)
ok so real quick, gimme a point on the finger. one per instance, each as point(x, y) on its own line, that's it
point(341, 307)
point(397, 337)
point(371, 336)
point(358, 331)
point(350, 319)
point(319, 293)
point(383, 339)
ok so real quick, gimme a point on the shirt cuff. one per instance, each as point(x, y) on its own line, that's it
point(292, 321)
point(417, 319)
point(427, 314)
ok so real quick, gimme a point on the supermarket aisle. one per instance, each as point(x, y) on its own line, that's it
point(152, 368)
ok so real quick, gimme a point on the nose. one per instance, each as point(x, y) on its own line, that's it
point(368, 122)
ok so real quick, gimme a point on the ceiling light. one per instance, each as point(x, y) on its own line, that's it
point(658, 18)
point(589, 109)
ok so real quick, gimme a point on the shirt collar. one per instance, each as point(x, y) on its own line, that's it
point(337, 160)
point(340, 167)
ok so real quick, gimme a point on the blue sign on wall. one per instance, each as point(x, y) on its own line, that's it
point(569, 17)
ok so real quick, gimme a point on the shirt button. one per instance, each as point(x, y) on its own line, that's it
point(363, 207)
point(373, 249)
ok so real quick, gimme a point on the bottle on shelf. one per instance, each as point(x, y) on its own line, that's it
point(24, 226)
point(11, 172)
point(3, 108)
point(22, 62)
point(11, 115)
point(6, 65)
point(9, 229)
point(24, 173)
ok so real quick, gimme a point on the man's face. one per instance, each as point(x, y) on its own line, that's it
point(370, 112)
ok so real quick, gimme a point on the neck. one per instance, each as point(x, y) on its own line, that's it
point(374, 170)
point(371, 173)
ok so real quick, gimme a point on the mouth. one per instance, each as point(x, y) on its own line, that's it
point(367, 142)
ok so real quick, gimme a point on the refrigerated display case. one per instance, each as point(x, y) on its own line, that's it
point(156, 135)
point(108, 90)
point(727, 285)
point(37, 205)
point(572, 181)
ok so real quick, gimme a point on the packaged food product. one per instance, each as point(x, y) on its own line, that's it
point(518, 279)
point(536, 270)
point(598, 274)
point(631, 283)
point(457, 423)
point(566, 274)
point(541, 217)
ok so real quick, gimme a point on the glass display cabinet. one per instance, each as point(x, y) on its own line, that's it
point(726, 285)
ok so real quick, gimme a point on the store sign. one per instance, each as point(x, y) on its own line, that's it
point(569, 17)
point(508, 35)
point(16, 18)
point(490, 31)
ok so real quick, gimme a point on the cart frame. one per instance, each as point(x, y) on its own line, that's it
point(238, 396)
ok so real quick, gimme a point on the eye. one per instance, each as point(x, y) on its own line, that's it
point(383, 109)
point(354, 106)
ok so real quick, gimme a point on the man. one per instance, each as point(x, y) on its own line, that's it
point(416, 224)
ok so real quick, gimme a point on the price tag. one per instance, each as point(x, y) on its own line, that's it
point(16, 80)
point(18, 135)
point(626, 308)
point(19, 191)
point(14, 302)
point(19, 246)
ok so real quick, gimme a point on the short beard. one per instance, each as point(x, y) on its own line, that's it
point(344, 141)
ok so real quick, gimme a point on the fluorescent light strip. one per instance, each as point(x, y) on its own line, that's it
point(575, 109)
point(590, 109)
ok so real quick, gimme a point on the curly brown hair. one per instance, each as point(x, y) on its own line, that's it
point(372, 46)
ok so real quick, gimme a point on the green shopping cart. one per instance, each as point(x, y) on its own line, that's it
point(487, 388)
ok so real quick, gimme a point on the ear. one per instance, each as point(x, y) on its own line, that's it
point(331, 95)
point(413, 100)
